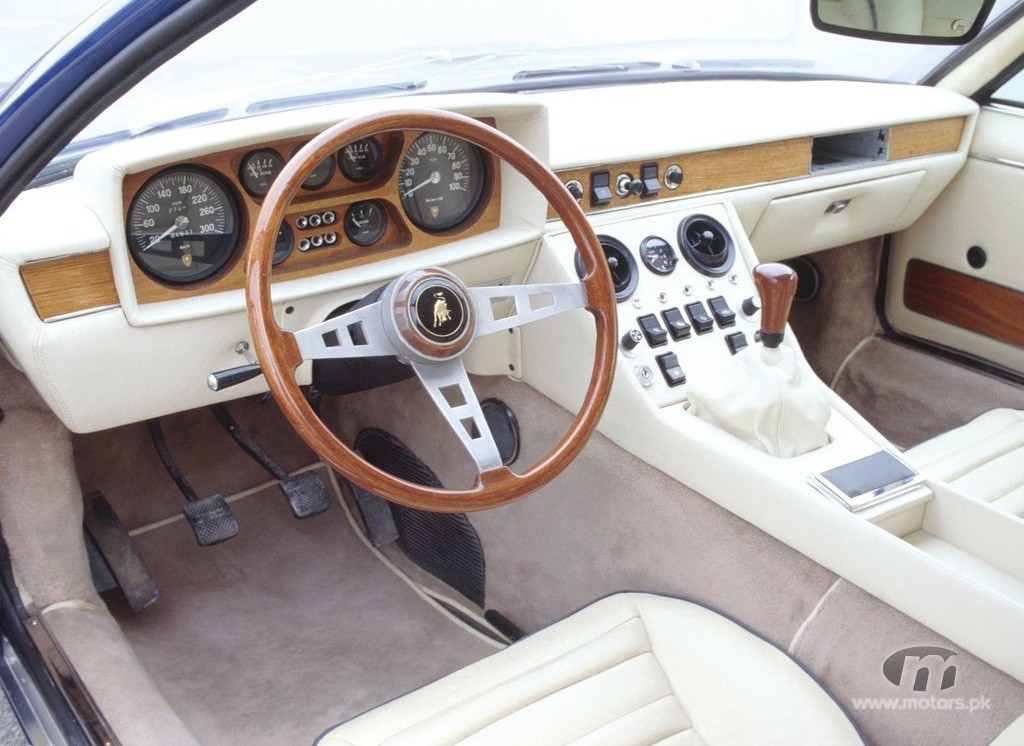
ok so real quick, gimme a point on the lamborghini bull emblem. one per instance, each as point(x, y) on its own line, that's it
point(442, 314)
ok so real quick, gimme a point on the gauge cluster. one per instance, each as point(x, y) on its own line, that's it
point(187, 224)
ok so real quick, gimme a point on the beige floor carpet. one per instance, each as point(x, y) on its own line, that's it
point(285, 630)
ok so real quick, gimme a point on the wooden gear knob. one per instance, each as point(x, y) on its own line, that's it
point(776, 284)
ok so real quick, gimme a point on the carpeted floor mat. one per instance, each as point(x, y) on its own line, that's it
point(285, 630)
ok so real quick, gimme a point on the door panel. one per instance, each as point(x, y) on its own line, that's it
point(934, 291)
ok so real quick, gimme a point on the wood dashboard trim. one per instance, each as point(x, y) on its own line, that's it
point(964, 301)
point(707, 171)
point(925, 138)
point(70, 284)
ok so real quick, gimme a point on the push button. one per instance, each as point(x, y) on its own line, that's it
point(736, 341)
point(724, 315)
point(654, 331)
point(677, 325)
point(670, 368)
point(699, 317)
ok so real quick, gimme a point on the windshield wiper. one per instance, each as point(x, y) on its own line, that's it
point(576, 71)
point(328, 97)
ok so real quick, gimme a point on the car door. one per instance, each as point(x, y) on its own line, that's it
point(956, 277)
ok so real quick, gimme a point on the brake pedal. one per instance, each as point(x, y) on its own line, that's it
point(210, 518)
point(118, 554)
point(307, 493)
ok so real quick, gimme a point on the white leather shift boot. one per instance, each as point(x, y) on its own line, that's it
point(765, 398)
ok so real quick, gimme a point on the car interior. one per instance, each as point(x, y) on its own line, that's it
point(495, 417)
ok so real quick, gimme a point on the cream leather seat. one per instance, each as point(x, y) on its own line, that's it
point(629, 669)
point(983, 459)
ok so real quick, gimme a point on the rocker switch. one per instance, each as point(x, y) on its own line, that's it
point(654, 331)
point(671, 369)
point(600, 188)
point(724, 315)
point(649, 178)
point(677, 325)
point(701, 321)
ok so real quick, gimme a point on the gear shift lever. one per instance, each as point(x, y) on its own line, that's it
point(777, 285)
point(763, 395)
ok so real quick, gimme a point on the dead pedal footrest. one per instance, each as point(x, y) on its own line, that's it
point(119, 553)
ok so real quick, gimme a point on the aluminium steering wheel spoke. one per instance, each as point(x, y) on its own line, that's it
point(505, 307)
point(448, 385)
point(357, 333)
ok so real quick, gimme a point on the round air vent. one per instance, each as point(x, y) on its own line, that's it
point(621, 264)
point(706, 244)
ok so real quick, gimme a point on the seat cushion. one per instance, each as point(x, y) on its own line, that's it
point(629, 669)
point(983, 459)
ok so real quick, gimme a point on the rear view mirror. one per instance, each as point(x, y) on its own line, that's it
point(913, 21)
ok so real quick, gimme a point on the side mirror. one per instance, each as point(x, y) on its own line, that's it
point(908, 21)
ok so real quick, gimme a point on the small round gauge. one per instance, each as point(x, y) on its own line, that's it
point(258, 170)
point(182, 225)
point(320, 175)
point(440, 181)
point(283, 244)
point(365, 223)
point(360, 160)
point(658, 255)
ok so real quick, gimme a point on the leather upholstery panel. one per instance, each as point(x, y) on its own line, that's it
point(983, 459)
point(630, 669)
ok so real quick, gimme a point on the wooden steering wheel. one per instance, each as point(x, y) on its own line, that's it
point(427, 318)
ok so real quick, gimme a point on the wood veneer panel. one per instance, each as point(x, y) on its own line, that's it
point(708, 171)
point(402, 237)
point(964, 301)
point(925, 138)
point(70, 284)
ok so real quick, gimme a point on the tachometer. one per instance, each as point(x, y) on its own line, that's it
point(440, 181)
point(182, 225)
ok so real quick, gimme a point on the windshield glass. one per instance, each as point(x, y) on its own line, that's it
point(279, 54)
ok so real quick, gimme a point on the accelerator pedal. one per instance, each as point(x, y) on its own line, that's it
point(118, 555)
point(307, 493)
point(210, 517)
point(444, 544)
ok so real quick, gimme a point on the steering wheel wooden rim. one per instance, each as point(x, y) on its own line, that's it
point(279, 354)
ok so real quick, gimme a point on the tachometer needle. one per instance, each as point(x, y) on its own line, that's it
point(180, 224)
point(432, 179)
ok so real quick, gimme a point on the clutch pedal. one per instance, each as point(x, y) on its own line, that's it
point(307, 494)
point(210, 517)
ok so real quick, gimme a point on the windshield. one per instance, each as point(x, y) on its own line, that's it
point(279, 54)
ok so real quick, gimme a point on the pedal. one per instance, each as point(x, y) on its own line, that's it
point(307, 493)
point(118, 554)
point(212, 520)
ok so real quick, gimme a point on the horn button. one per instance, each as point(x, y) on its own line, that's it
point(432, 313)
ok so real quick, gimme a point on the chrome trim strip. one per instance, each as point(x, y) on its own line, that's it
point(1014, 111)
point(1000, 161)
point(29, 707)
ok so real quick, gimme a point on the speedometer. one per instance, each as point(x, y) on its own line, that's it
point(182, 225)
point(440, 181)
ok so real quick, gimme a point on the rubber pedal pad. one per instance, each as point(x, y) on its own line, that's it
point(119, 552)
point(307, 494)
point(211, 519)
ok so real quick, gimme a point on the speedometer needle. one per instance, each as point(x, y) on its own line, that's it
point(432, 179)
point(180, 223)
